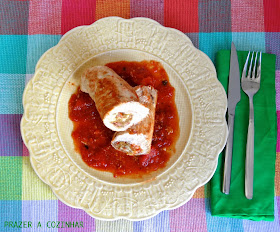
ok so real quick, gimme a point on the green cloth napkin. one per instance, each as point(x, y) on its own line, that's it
point(236, 205)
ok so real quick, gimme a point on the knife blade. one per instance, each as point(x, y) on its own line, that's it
point(233, 99)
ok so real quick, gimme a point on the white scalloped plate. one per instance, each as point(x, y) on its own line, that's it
point(46, 129)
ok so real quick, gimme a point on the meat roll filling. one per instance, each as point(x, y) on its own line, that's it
point(137, 139)
point(122, 119)
point(115, 100)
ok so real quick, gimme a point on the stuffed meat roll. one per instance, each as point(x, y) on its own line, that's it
point(115, 100)
point(137, 139)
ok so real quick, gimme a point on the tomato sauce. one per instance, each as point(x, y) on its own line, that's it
point(93, 140)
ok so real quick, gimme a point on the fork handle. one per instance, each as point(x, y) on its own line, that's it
point(249, 169)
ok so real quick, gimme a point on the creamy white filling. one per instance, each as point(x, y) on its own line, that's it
point(133, 139)
point(137, 110)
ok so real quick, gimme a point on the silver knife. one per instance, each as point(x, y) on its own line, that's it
point(233, 99)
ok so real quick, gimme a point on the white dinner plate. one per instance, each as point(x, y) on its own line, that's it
point(46, 129)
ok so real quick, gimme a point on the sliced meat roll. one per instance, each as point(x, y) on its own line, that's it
point(137, 139)
point(115, 100)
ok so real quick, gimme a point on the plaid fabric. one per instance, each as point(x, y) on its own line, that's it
point(29, 28)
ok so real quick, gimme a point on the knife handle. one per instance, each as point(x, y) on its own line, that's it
point(228, 156)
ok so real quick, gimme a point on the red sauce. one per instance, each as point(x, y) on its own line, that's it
point(93, 140)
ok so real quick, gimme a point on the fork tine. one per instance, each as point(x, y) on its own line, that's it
point(250, 68)
point(255, 65)
point(245, 66)
point(259, 66)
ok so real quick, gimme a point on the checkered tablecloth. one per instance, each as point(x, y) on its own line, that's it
point(29, 28)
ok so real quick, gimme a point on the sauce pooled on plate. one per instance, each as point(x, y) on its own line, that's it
point(92, 139)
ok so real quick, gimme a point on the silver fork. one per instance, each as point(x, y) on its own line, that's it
point(251, 85)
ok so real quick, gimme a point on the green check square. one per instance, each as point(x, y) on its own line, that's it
point(32, 187)
point(10, 178)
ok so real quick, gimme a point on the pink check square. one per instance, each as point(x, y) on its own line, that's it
point(247, 16)
point(44, 17)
